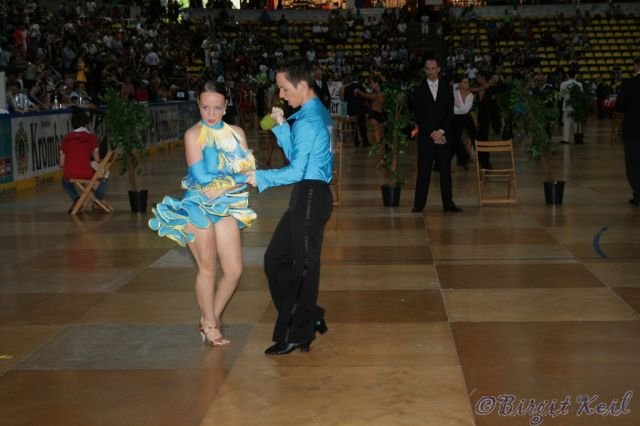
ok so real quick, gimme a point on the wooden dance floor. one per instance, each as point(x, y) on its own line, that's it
point(500, 315)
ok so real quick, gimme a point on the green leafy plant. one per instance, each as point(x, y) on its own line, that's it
point(531, 117)
point(394, 141)
point(581, 100)
point(125, 121)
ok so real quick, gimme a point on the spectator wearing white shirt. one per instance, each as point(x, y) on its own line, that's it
point(568, 123)
point(451, 63)
point(311, 55)
point(471, 72)
point(152, 59)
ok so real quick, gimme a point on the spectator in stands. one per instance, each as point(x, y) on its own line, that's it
point(628, 103)
point(142, 91)
point(164, 94)
point(17, 100)
point(424, 19)
point(402, 27)
point(152, 59)
point(40, 95)
point(471, 71)
point(283, 26)
point(127, 89)
point(311, 54)
point(77, 150)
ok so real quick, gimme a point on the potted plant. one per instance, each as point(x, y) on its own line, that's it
point(581, 101)
point(394, 141)
point(532, 117)
point(125, 121)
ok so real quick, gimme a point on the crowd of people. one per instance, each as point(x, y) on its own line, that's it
point(54, 59)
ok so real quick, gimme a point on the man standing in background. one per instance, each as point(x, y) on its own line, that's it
point(433, 109)
point(321, 88)
point(356, 107)
point(628, 103)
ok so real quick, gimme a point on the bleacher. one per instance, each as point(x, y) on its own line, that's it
point(611, 42)
point(353, 45)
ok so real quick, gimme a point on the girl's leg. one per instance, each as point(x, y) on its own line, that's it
point(230, 254)
point(203, 250)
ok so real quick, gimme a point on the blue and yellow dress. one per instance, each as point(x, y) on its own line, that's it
point(224, 160)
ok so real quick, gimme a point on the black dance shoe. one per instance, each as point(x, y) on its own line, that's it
point(452, 208)
point(285, 348)
point(320, 327)
point(634, 202)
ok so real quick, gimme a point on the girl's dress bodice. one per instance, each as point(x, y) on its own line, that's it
point(225, 160)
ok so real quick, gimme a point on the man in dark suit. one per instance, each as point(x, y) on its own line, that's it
point(356, 107)
point(321, 88)
point(433, 111)
point(628, 103)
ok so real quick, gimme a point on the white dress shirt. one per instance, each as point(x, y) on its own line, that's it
point(433, 86)
point(461, 107)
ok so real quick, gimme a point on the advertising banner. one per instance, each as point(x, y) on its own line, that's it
point(30, 143)
point(36, 142)
point(6, 163)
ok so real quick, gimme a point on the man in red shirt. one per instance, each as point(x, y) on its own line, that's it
point(77, 150)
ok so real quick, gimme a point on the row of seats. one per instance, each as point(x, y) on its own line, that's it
point(612, 43)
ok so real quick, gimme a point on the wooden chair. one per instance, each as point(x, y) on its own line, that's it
point(87, 187)
point(507, 174)
point(344, 129)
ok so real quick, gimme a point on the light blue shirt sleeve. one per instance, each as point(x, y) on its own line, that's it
point(307, 146)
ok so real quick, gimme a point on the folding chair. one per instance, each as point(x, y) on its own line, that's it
point(344, 129)
point(507, 175)
point(87, 187)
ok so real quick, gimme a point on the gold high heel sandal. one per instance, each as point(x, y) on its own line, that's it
point(206, 334)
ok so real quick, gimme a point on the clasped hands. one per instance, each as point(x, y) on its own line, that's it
point(438, 137)
point(277, 114)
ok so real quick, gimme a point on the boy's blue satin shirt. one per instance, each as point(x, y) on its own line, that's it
point(307, 146)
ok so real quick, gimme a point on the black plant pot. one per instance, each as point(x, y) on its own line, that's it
point(138, 200)
point(578, 138)
point(553, 192)
point(390, 195)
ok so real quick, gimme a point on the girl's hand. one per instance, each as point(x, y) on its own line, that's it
point(212, 194)
point(251, 177)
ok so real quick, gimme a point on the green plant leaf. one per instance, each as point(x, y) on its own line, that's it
point(126, 121)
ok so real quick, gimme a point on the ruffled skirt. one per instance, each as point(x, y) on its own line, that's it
point(172, 215)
